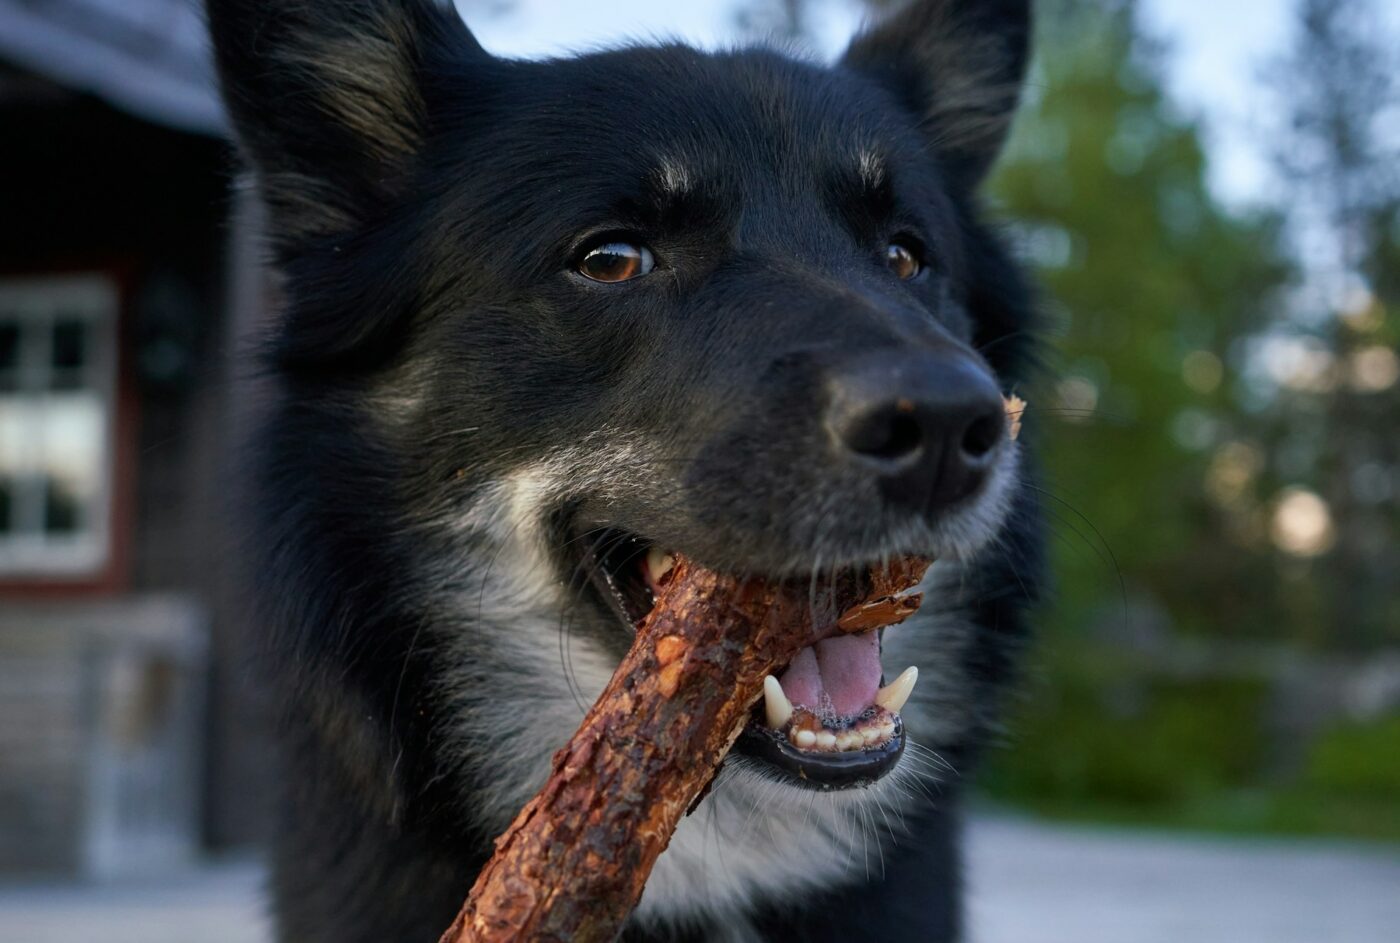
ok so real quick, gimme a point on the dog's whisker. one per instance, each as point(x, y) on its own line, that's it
point(1112, 558)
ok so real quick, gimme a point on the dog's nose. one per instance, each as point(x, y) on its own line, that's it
point(926, 423)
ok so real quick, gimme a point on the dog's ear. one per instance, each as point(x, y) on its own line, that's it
point(956, 64)
point(328, 100)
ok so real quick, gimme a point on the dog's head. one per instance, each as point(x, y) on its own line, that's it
point(571, 315)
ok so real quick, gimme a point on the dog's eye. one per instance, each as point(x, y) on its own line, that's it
point(616, 262)
point(903, 260)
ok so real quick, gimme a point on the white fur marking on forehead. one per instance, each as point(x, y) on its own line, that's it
point(871, 168)
point(675, 177)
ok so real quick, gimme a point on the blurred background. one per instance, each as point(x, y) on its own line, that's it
point(1211, 195)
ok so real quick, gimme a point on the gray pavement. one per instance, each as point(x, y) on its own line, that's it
point(1028, 883)
point(220, 903)
point(1034, 883)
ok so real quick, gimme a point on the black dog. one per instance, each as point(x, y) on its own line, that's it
point(547, 321)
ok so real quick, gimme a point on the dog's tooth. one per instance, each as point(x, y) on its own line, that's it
point(659, 563)
point(826, 740)
point(870, 734)
point(776, 706)
point(894, 695)
point(806, 739)
point(848, 740)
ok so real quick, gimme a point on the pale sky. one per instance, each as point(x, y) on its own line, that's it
point(1214, 63)
point(1217, 50)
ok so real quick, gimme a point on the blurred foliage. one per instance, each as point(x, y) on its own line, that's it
point(1108, 736)
point(1149, 282)
point(1204, 426)
point(1358, 760)
point(1330, 423)
point(1107, 728)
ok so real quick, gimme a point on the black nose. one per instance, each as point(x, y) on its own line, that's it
point(926, 423)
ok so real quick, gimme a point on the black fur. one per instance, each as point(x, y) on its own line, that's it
point(458, 410)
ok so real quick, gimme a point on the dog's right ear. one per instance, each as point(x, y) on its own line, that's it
point(328, 100)
point(957, 65)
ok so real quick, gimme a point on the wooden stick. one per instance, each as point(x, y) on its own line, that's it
point(572, 865)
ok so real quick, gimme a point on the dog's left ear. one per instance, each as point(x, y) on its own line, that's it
point(958, 65)
point(330, 100)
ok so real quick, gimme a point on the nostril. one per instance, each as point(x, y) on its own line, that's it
point(904, 438)
point(982, 435)
point(925, 427)
point(886, 434)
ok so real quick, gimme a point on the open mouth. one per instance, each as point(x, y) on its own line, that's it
point(828, 720)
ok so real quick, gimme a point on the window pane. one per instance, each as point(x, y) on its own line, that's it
point(7, 491)
point(19, 461)
point(62, 508)
point(17, 449)
point(70, 350)
point(9, 355)
point(57, 352)
point(73, 435)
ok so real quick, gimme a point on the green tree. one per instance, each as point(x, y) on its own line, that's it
point(1150, 281)
point(1337, 411)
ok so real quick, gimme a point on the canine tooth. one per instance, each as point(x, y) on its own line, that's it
point(659, 563)
point(894, 695)
point(887, 729)
point(776, 707)
point(826, 740)
point(848, 740)
point(805, 739)
point(870, 734)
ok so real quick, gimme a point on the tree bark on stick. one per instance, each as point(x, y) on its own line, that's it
point(572, 865)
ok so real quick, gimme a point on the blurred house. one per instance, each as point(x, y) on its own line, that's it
point(128, 736)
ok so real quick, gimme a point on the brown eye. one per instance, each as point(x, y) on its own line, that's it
point(616, 262)
point(902, 261)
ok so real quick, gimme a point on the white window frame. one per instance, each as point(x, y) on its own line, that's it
point(38, 302)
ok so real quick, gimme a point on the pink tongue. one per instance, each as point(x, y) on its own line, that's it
point(845, 669)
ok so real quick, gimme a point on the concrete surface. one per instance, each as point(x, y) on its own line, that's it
point(219, 903)
point(1034, 883)
point(1029, 883)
